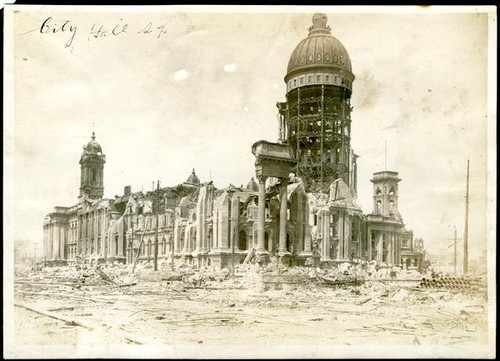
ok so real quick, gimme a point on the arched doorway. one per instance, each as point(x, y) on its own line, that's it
point(242, 241)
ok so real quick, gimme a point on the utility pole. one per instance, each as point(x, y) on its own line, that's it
point(231, 234)
point(466, 228)
point(455, 251)
point(232, 255)
point(173, 236)
point(454, 244)
point(156, 209)
point(130, 256)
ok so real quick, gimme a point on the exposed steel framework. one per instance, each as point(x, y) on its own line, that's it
point(317, 126)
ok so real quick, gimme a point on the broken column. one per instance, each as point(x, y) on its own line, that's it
point(262, 214)
point(283, 217)
point(272, 160)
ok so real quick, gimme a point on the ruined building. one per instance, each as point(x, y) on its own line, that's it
point(316, 117)
point(302, 206)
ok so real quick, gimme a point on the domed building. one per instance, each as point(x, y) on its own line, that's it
point(315, 120)
point(311, 217)
point(252, 185)
point(92, 147)
point(192, 180)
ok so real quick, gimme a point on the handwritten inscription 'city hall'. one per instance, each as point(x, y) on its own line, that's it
point(96, 31)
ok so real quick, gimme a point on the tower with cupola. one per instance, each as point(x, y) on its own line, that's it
point(385, 194)
point(315, 120)
point(92, 170)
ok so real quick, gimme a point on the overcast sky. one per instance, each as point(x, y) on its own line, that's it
point(201, 88)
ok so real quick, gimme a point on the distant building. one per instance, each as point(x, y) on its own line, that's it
point(412, 252)
point(309, 214)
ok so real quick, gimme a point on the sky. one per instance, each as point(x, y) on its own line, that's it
point(183, 88)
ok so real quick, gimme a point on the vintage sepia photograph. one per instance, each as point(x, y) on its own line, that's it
point(249, 181)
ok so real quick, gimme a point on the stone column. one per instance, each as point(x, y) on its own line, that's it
point(307, 230)
point(393, 249)
point(283, 216)
point(390, 258)
point(176, 233)
point(341, 233)
point(262, 214)
point(380, 247)
point(235, 213)
point(216, 226)
point(300, 223)
point(369, 242)
point(128, 249)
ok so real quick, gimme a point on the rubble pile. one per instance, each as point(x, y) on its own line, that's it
point(359, 279)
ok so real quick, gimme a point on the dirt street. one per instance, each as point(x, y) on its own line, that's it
point(153, 308)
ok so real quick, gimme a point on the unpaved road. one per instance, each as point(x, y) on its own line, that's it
point(172, 313)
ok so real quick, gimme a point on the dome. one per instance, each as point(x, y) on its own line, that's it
point(193, 178)
point(252, 185)
point(319, 50)
point(93, 146)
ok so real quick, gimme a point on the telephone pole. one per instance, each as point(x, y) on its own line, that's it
point(158, 207)
point(455, 241)
point(466, 228)
point(172, 252)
